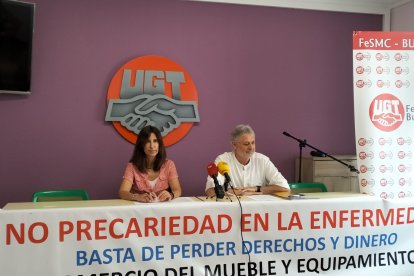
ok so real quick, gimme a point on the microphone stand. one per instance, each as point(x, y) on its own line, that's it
point(303, 143)
point(226, 185)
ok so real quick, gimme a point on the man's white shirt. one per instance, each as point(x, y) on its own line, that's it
point(260, 171)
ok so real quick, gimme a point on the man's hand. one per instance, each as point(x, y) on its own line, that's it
point(244, 191)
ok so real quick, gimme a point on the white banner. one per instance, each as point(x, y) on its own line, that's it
point(347, 236)
point(384, 112)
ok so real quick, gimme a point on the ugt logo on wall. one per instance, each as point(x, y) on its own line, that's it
point(152, 90)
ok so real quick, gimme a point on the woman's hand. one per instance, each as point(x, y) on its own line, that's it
point(165, 196)
point(145, 197)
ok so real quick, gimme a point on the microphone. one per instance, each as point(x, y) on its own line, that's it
point(352, 168)
point(224, 170)
point(317, 153)
point(286, 134)
point(212, 172)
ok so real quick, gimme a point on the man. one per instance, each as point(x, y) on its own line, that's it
point(251, 172)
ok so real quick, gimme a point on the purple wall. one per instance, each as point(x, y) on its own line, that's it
point(275, 69)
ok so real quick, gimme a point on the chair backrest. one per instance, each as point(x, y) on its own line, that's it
point(308, 187)
point(60, 195)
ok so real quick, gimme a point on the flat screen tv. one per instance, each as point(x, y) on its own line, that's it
point(16, 36)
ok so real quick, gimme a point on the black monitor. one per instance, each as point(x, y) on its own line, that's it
point(16, 36)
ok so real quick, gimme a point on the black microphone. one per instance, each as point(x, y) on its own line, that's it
point(212, 172)
point(287, 134)
point(224, 170)
point(317, 153)
point(352, 168)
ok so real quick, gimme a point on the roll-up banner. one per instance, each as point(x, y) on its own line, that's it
point(383, 65)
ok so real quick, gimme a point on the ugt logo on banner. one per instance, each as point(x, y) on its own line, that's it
point(386, 112)
point(152, 90)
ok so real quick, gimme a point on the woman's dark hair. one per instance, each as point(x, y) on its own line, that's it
point(139, 159)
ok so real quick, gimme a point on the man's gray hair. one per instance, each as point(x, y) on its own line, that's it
point(239, 130)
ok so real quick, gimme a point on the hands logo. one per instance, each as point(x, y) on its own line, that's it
point(152, 90)
point(386, 112)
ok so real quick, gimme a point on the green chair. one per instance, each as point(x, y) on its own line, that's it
point(308, 187)
point(61, 195)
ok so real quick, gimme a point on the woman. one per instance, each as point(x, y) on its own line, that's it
point(149, 175)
